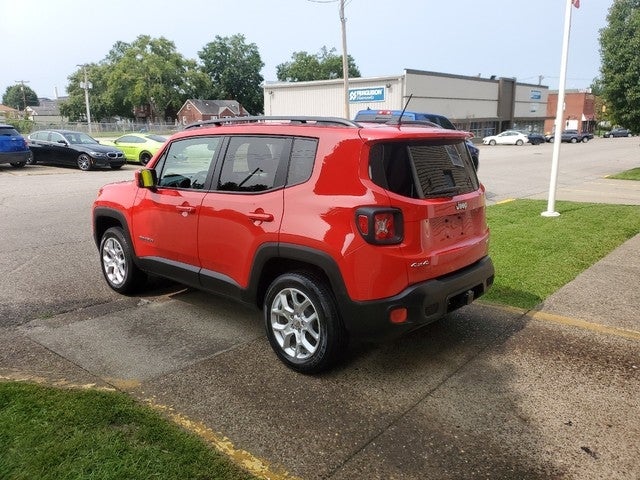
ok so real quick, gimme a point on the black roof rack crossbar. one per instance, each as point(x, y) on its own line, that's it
point(335, 121)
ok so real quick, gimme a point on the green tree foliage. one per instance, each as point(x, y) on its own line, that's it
point(620, 69)
point(16, 96)
point(74, 107)
point(147, 73)
point(324, 65)
point(233, 66)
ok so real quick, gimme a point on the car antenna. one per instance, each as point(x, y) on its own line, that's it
point(404, 109)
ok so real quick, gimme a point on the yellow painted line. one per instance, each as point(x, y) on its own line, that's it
point(246, 460)
point(594, 327)
point(59, 383)
point(507, 200)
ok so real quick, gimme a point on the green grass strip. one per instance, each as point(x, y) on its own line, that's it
point(633, 174)
point(58, 434)
point(534, 256)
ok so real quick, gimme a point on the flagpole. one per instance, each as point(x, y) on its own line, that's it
point(557, 137)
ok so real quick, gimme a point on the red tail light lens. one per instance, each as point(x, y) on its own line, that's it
point(380, 226)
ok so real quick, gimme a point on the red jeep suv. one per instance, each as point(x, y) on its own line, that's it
point(335, 229)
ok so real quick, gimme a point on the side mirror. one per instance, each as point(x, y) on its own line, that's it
point(146, 178)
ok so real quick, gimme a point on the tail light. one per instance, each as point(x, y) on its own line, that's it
point(380, 226)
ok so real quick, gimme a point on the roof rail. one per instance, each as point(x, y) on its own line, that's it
point(331, 121)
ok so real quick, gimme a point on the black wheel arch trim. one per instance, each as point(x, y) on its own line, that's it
point(297, 253)
point(114, 217)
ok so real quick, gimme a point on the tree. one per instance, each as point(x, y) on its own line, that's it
point(620, 68)
point(20, 97)
point(233, 67)
point(74, 107)
point(324, 65)
point(149, 73)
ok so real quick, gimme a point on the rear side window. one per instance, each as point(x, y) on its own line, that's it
point(423, 170)
point(303, 155)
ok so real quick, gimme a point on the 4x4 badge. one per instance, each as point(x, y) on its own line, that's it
point(461, 206)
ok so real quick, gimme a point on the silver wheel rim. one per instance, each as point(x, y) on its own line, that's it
point(84, 162)
point(114, 262)
point(295, 324)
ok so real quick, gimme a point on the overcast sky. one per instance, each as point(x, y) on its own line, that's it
point(44, 40)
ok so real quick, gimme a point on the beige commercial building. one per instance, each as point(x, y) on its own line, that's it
point(483, 106)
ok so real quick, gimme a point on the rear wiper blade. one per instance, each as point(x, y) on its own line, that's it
point(444, 191)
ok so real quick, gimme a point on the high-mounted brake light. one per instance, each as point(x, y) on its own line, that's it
point(380, 226)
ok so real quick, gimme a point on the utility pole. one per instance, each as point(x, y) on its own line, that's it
point(345, 60)
point(86, 85)
point(24, 95)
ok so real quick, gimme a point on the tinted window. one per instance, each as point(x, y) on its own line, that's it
point(186, 163)
point(9, 131)
point(303, 155)
point(251, 164)
point(423, 170)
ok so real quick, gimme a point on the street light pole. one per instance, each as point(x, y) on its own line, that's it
point(345, 61)
point(86, 85)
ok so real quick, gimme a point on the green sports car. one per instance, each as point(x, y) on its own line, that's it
point(137, 147)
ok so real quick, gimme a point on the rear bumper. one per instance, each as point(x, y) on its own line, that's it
point(15, 157)
point(425, 302)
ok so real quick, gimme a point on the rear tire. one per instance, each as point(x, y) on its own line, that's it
point(18, 164)
point(519, 143)
point(302, 322)
point(116, 260)
point(145, 157)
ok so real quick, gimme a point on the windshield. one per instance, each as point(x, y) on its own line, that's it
point(79, 138)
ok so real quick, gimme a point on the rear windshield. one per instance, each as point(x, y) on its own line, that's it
point(431, 169)
point(9, 131)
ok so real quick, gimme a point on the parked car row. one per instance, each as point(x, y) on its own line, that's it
point(71, 148)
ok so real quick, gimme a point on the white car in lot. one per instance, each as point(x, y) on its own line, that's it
point(508, 137)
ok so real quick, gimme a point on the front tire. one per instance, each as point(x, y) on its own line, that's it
point(492, 142)
point(84, 162)
point(302, 323)
point(18, 164)
point(116, 260)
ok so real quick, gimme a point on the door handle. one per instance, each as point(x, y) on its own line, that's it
point(260, 216)
point(185, 208)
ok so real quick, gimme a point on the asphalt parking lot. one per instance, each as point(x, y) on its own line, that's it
point(485, 393)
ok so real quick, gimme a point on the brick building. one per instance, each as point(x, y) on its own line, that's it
point(195, 110)
point(579, 111)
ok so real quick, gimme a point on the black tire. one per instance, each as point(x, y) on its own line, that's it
point(492, 142)
point(574, 140)
point(551, 139)
point(31, 160)
point(18, 164)
point(116, 261)
point(519, 143)
point(85, 162)
point(585, 139)
point(302, 323)
point(145, 157)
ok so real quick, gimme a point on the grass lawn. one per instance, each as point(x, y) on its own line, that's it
point(48, 433)
point(534, 256)
point(633, 174)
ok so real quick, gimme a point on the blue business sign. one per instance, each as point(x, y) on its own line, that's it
point(536, 94)
point(368, 94)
